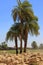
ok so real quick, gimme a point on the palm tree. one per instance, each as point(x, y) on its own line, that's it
point(32, 28)
point(24, 14)
point(12, 34)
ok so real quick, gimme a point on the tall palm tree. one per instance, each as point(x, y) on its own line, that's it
point(32, 28)
point(24, 14)
point(12, 34)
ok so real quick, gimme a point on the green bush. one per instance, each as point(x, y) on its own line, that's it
point(34, 45)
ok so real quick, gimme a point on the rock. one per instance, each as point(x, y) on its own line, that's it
point(34, 55)
point(27, 62)
point(3, 64)
point(8, 60)
point(33, 59)
point(41, 58)
point(37, 59)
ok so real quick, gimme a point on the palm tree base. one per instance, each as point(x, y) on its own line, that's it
point(20, 51)
point(24, 51)
point(16, 52)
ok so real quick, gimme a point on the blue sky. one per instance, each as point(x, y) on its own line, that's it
point(6, 19)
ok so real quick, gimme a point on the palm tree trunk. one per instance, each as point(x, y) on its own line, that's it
point(21, 37)
point(16, 45)
point(21, 45)
point(25, 40)
point(25, 44)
